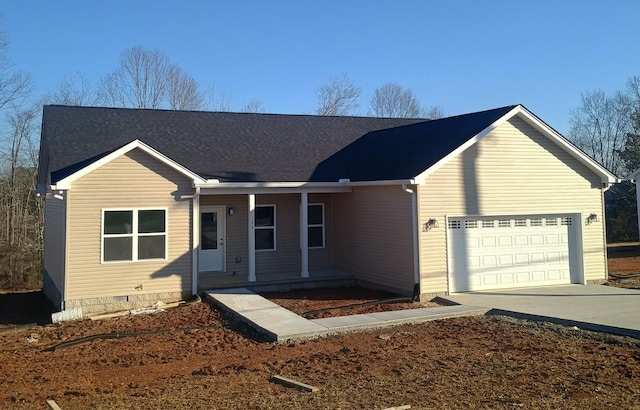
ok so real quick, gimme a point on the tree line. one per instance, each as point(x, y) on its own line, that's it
point(607, 127)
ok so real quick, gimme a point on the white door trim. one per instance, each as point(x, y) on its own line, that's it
point(221, 240)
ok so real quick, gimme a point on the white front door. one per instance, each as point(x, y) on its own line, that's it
point(211, 251)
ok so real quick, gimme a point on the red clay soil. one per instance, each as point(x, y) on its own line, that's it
point(475, 362)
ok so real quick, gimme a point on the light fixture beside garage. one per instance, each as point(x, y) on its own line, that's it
point(430, 224)
point(591, 219)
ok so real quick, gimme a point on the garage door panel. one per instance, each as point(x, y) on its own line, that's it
point(505, 260)
point(493, 253)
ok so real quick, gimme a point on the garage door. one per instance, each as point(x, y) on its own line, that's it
point(497, 253)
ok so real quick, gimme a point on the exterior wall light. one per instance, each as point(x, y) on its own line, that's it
point(231, 211)
point(591, 219)
point(430, 224)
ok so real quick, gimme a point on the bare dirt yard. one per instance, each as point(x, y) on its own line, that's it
point(194, 357)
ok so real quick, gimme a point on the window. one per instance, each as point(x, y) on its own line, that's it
point(265, 229)
point(315, 225)
point(454, 224)
point(134, 235)
point(488, 223)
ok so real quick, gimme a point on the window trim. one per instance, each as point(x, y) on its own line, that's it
point(322, 225)
point(256, 227)
point(134, 234)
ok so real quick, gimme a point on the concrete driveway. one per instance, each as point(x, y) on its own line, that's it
point(592, 307)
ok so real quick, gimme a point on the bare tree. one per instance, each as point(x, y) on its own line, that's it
point(600, 125)
point(14, 85)
point(254, 105)
point(339, 96)
point(141, 80)
point(75, 89)
point(218, 99)
point(182, 92)
point(434, 112)
point(391, 100)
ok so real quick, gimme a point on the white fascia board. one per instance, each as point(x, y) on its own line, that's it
point(605, 176)
point(384, 182)
point(227, 188)
point(421, 178)
point(65, 183)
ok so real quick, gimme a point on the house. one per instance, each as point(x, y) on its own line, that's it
point(146, 205)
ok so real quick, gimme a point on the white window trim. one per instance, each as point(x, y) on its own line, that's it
point(322, 225)
point(134, 235)
point(256, 227)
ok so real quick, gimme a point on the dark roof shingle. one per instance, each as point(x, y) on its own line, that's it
point(245, 147)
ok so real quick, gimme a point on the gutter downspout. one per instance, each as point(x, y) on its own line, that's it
point(416, 248)
point(195, 223)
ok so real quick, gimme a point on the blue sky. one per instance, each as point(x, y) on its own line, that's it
point(464, 56)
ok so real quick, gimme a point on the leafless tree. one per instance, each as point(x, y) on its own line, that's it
point(75, 89)
point(391, 100)
point(434, 112)
point(600, 125)
point(339, 96)
point(182, 92)
point(14, 85)
point(141, 80)
point(218, 99)
point(254, 105)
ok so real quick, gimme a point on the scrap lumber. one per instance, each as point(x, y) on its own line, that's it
point(293, 383)
point(53, 405)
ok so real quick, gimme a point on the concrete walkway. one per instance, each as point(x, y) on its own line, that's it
point(592, 307)
point(278, 323)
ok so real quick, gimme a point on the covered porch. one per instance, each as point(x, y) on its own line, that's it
point(266, 238)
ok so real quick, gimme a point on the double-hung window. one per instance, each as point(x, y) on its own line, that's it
point(265, 228)
point(134, 235)
point(315, 225)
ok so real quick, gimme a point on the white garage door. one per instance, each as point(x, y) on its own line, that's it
point(497, 253)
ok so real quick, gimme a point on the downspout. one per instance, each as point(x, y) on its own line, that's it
point(195, 223)
point(416, 248)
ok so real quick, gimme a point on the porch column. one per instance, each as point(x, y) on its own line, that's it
point(252, 238)
point(304, 234)
point(195, 240)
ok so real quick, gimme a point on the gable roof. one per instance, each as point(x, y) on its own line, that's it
point(405, 152)
point(245, 147)
point(231, 147)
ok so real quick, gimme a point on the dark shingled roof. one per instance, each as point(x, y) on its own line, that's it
point(245, 147)
point(404, 152)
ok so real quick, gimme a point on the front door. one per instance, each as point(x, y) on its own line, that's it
point(211, 250)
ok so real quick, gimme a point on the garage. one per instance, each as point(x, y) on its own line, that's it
point(487, 253)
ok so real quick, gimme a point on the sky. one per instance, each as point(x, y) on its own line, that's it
point(463, 56)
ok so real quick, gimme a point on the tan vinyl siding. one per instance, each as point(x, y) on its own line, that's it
point(513, 170)
point(134, 180)
point(236, 244)
point(322, 258)
point(287, 256)
point(54, 244)
point(373, 235)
